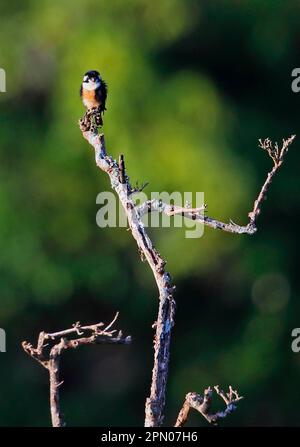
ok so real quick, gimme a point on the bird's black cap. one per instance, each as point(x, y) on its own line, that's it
point(92, 74)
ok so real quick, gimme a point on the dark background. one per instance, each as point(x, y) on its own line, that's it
point(192, 86)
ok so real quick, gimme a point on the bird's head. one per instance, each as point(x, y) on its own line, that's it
point(91, 80)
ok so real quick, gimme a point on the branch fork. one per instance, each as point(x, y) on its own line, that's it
point(50, 346)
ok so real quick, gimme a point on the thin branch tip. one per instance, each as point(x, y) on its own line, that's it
point(275, 152)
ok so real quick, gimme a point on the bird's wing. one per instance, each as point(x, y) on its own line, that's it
point(103, 89)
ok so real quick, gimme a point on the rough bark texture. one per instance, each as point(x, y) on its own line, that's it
point(53, 368)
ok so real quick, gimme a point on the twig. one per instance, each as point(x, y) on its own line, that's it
point(203, 405)
point(138, 188)
point(277, 156)
point(122, 175)
point(169, 210)
point(49, 354)
point(165, 321)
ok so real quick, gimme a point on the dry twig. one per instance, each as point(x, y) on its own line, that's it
point(277, 154)
point(50, 346)
point(203, 405)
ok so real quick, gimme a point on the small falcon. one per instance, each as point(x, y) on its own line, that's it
point(93, 92)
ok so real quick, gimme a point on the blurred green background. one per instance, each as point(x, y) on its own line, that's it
point(192, 86)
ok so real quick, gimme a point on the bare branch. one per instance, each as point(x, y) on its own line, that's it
point(197, 214)
point(49, 354)
point(277, 154)
point(203, 405)
point(194, 214)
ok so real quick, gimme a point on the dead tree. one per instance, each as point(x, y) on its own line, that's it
point(154, 408)
point(50, 346)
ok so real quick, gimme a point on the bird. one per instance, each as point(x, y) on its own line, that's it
point(93, 93)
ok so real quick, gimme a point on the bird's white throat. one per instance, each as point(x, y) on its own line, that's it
point(91, 85)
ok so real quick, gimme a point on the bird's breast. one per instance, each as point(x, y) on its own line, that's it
point(89, 98)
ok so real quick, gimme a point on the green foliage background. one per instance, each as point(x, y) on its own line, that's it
point(192, 85)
